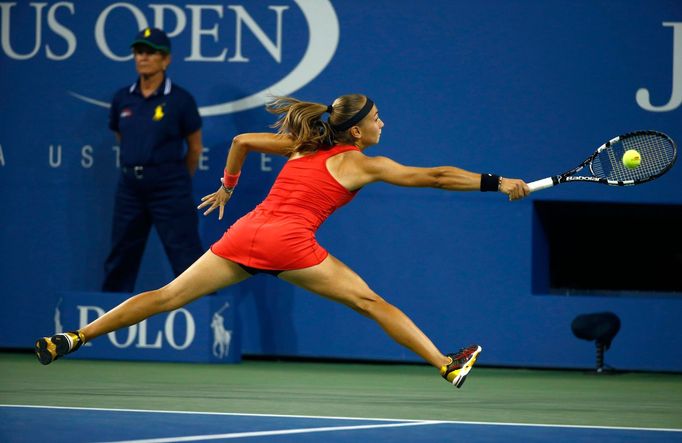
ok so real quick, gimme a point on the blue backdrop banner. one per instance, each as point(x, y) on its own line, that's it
point(522, 89)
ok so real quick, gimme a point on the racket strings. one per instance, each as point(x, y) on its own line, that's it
point(656, 151)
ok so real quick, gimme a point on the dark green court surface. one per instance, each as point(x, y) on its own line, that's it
point(645, 400)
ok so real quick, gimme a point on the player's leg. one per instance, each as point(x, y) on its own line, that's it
point(334, 280)
point(208, 274)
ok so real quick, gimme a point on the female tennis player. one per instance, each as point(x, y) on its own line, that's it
point(326, 168)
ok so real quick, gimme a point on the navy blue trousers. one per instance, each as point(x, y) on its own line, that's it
point(159, 196)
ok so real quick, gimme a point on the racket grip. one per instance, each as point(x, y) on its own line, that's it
point(541, 184)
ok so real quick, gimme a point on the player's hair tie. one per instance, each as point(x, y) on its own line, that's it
point(355, 119)
point(330, 108)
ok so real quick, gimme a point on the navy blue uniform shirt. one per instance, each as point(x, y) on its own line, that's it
point(153, 129)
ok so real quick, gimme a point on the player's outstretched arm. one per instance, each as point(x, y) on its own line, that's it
point(372, 169)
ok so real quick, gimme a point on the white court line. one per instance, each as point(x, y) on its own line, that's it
point(276, 432)
point(460, 422)
point(239, 414)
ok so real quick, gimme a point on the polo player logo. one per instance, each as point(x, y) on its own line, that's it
point(147, 32)
point(158, 113)
point(221, 336)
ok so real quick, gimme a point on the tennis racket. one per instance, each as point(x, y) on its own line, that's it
point(658, 153)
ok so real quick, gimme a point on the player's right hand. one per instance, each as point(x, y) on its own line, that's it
point(516, 189)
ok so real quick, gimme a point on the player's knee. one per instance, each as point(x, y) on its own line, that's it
point(369, 305)
point(166, 298)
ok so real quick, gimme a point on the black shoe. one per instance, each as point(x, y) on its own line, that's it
point(49, 349)
point(456, 372)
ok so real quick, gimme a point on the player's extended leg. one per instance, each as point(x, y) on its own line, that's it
point(208, 274)
point(334, 280)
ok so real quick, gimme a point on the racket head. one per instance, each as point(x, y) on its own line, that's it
point(657, 150)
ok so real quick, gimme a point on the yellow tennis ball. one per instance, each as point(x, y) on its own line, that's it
point(631, 159)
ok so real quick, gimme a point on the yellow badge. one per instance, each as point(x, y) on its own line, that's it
point(158, 113)
point(147, 32)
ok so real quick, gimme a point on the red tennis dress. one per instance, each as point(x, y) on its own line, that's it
point(279, 234)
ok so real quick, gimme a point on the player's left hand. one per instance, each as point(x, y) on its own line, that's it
point(217, 199)
point(516, 189)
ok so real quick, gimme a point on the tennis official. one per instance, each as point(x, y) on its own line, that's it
point(152, 120)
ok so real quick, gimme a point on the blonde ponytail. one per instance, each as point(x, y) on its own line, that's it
point(303, 121)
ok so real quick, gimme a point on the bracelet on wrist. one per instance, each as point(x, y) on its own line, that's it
point(230, 180)
point(490, 182)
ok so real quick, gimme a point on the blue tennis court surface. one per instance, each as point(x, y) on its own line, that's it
point(74, 425)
